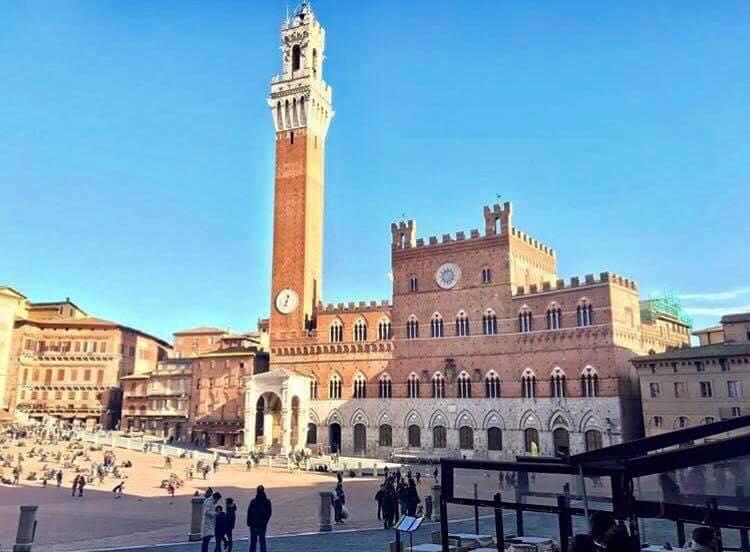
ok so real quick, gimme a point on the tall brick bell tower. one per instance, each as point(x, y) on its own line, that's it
point(301, 106)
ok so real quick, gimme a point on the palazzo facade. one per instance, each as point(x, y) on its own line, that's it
point(483, 349)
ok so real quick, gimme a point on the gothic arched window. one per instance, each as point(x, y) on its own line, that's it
point(412, 386)
point(436, 325)
point(528, 384)
point(337, 331)
point(360, 387)
point(589, 382)
point(360, 330)
point(557, 383)
point(554, 317)
point(412, 327)
point(492, 386)
point(584, 313)
point(525, 321)
point(494, 438)
point(464, 386)
point(334, 387)
point(489, 322)
point(462, 324)
point(385, 387)
point(439, 437)
point(486, 275)
point(313, 389)
point(465, 438)
point(384, 330)
point(438, 386)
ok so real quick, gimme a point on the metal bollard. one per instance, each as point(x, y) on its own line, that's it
point(196, 518)
point(326, 499)
point(26, 529)
point(435, 503)
point(359, 470)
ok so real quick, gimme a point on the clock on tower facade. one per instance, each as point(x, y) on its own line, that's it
point(300, 103)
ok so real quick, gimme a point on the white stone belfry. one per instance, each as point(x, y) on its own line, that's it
point(300, 98)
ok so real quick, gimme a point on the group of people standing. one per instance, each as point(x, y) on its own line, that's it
point(218, 522)
point(397, 496)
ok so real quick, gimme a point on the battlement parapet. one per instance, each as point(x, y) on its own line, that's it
point(361, 306)
point(523, 236)
point(404, 232)
point(576, 282)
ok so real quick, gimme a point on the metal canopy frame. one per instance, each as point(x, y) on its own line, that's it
point(622, 464)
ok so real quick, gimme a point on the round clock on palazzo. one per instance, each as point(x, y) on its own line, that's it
point(447, 275)
point(287, 301)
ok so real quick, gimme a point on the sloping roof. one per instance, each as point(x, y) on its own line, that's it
point(200, 330)
point(706, 330)
point(13, 290)
point(705, 351)
point(230, 351)
point(67, 301)
point(739, 317)
point(88, 322)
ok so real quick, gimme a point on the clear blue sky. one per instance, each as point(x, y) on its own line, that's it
point(136, 147)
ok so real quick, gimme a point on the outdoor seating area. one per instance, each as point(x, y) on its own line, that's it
point(692, 476)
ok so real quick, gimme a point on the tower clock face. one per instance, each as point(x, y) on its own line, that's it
point(287, 301)
point(447, 275)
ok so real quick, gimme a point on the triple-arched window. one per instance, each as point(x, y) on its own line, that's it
point(462, 324)
point(557, 383)
point(412, 327)
point(360, 330)
point(336, 331)
point(492, 386)
point(412, 386)
point(528, 384)
point(554, 317)
point(489, 322)
point(436, 326)
point(385, 387)
point(384, 330)
point(438, 386)
point(589, 382)
point(360, 387)
point(585, 314)
point(334, 387)
point(464, 386)
point(525, 321)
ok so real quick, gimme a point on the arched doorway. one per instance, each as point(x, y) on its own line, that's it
point(260, 408)
point(312, 434)
point(561, 440)
point(334, 437)
point(268, 420)
point(360, 440)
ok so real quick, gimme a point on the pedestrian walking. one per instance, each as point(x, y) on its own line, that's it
point(412, 499)
point(418, 477)
point(117, 490)
point(339, 500)
point(59, 478)
point(258, 514)
point(75, 483)
point(81, 484)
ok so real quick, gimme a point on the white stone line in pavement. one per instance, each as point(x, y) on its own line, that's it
point(308, 534)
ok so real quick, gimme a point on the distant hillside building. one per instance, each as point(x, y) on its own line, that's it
point(697, 385)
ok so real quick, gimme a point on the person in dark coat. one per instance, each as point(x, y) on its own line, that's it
point(258, 514)
point(379, 499)
point(390, 503)
point(220, 528)
point(231, 520)
point(412, 498)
